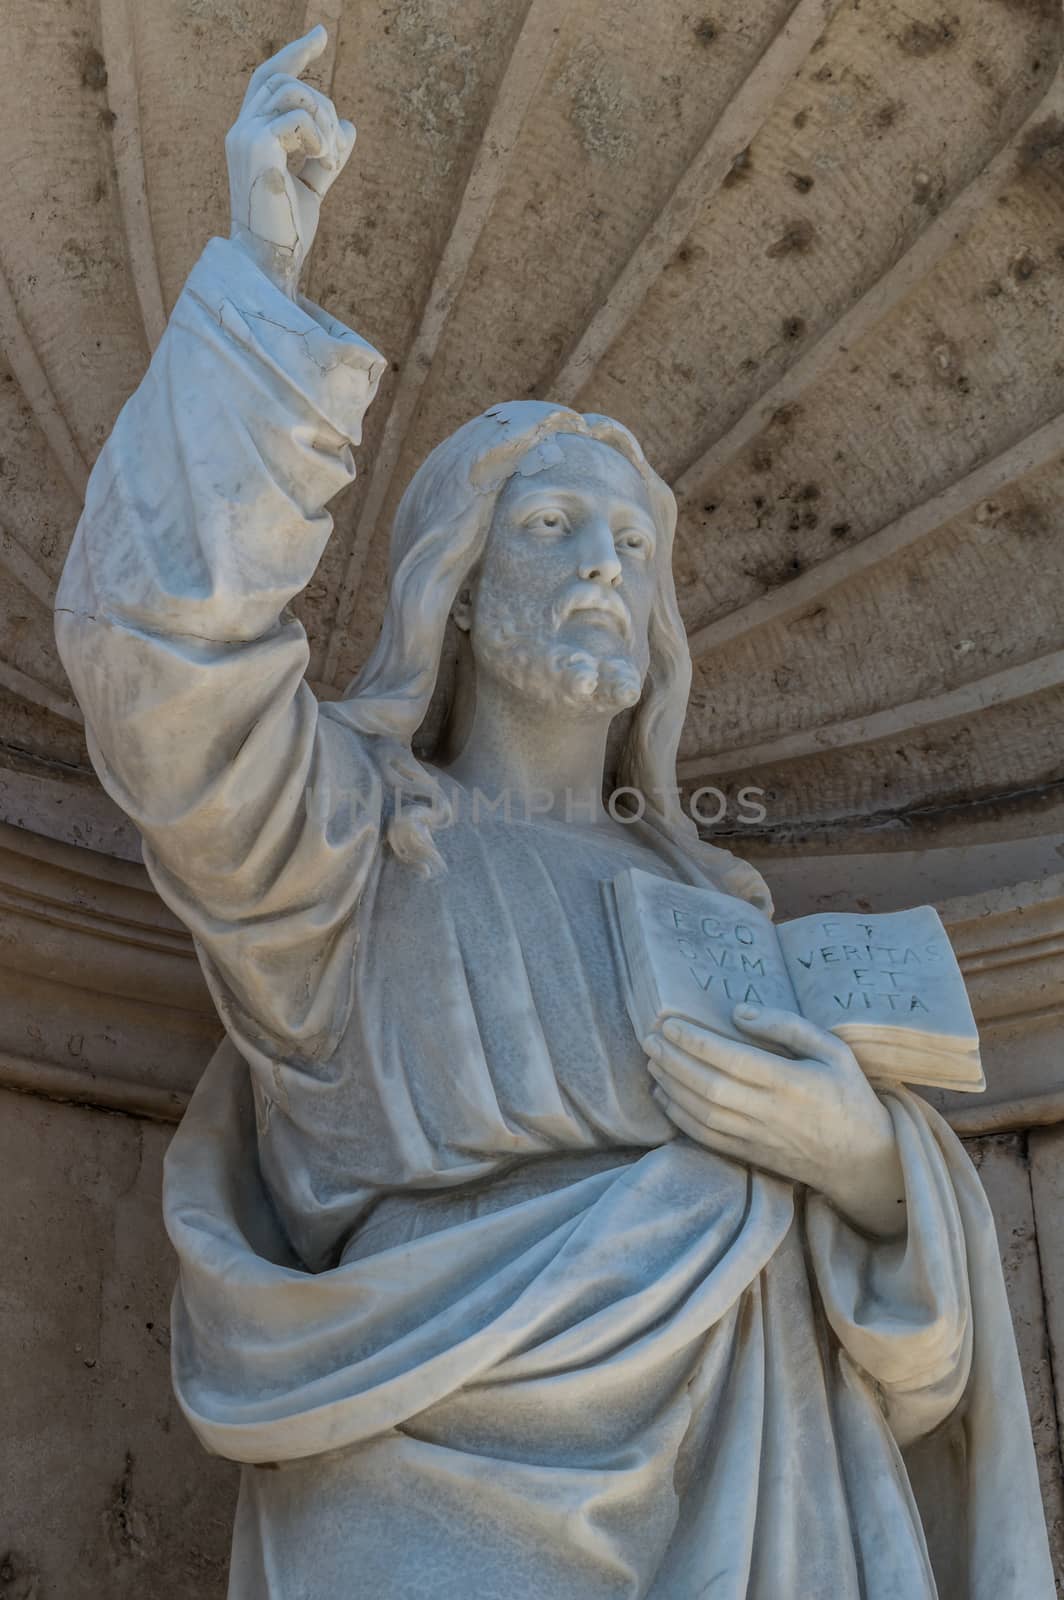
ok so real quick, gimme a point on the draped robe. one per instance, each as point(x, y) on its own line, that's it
point(474, 1318)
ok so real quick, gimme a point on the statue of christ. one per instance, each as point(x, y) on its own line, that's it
point(488, 1295)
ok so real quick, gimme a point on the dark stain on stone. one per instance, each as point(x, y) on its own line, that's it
point(107, 118)
point(739, 169)
point(1048, 10)
point(771, 574)
point(706, 30)
point(793, 327)
point(797, 239)
point(1043, 146)
point(761, 461)
point(814, 614)
point(687, 253)
point(840, 530)
point(77, 262)
point(1029, 521)
point(1023, 266)
point(801, 181)
point(19, 1577)
point(784, 416)
point(1020, 518)
point(823, 74)
point(887, 114)
point(924, 38)
point(124, 1523)
point(93, 69)
point(800, 119)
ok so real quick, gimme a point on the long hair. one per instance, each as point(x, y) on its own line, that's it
point(438, 538)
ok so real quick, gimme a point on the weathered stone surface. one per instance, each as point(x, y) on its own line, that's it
point(1047, 1186)
point(1027, 1236)
point(808, 258)
point(103, 1489)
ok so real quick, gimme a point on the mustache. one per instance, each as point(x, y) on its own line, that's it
point(592, 597)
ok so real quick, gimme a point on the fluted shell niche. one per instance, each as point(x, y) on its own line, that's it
point(812, 254)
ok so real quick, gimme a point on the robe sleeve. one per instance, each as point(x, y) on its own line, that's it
point(926, 1320)
point(204, 517)
point(901, 1309)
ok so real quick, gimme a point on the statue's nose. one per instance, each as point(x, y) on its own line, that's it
point(598, 558)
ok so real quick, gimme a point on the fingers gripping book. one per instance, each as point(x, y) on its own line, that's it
point(887, 984)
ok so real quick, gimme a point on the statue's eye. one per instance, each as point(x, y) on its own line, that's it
point(633, 540)
point(550, 520)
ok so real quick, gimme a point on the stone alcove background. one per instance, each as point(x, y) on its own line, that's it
point(813, 255)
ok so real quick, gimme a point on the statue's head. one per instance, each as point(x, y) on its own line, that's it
point(558, 608)
point(533, 547)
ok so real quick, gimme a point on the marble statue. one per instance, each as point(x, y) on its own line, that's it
point(489, 1296)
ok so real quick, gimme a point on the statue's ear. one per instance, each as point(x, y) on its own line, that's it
point(462, 610)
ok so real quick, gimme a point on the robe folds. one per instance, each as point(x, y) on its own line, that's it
point(474, 1318)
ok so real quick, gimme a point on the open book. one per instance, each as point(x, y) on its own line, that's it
point(889, 984)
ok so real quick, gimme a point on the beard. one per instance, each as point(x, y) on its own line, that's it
point(511, 647)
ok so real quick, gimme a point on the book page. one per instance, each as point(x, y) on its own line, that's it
point(895, 970)
point(708, 952)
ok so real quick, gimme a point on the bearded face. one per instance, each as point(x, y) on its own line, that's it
point(560, 610)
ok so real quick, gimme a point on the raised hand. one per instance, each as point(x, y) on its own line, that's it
point(815, 1120)
point(285, 150)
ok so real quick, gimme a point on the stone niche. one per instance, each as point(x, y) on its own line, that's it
point(812, 254)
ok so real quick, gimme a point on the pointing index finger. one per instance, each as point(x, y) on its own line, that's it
point(293, 59)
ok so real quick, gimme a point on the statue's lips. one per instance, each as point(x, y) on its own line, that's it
point(613, 616)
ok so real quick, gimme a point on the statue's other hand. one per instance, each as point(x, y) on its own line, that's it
point(815, 1120)
point(284, 151)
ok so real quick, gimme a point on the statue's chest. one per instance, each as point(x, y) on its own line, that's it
point(497, 986)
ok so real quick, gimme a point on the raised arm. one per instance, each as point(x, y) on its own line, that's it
point(204, 517)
